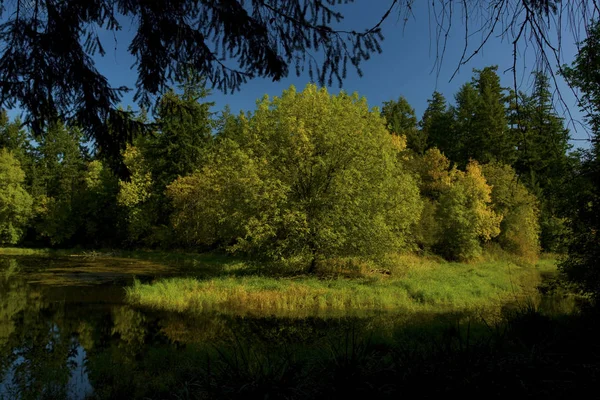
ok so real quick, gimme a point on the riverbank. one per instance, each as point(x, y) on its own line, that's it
point(411, 284)
point(274, 336)
point(408, 283)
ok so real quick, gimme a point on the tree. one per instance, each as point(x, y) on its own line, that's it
point(519, 209)
point(15, 202)
point(479, 129)
point(47, 65)
point(402, 120)
point(461, 135)
point(436, 121)
point(13, 137)
point(581, 265)
point(315, 176)
point(435, 177)
point(56, 182)
point(214, 206)
point(136, 195)
point(97, 203)
point(434, 172)
point(465, 215)
point(48, 68)
point(542, 161)
point(185, 131)
point(492, 139)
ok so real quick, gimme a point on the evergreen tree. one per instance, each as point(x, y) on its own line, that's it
point(492, 139)
point(56, 182)
point(15, 139)
point(436, 122)
point(462, 137)
point(543, 139)
point(185, 130)
point(402, 120)
point(583, 260)
point(543, 162)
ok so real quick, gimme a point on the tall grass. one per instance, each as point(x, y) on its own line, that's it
point(17, 251)
point(411, 284)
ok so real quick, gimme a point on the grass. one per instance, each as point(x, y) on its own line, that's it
point(17, 251)
point(409, 283)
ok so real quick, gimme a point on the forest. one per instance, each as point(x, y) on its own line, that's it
point(310, 248)
point(317, 246)
point(305, 178)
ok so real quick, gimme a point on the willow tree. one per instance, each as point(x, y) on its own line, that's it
point(330, 170)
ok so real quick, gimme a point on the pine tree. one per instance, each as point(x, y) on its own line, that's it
point(462, 138)
point(402, 120)
point(436, 123)
point(185, 130)
point(493, 140)
point(542, 161)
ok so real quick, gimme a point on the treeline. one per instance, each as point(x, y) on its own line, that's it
point(305, 177)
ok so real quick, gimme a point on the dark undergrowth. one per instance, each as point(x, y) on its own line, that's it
point(527, 353)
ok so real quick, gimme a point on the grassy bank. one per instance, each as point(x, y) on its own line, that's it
point(411, 283)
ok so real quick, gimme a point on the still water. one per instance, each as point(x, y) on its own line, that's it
point(55, 313)
point(66, 332)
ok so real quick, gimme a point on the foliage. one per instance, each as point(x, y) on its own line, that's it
point(135, 195)
point(308, 178)
point(56, 183)
point(480, 130)
point(493, 140)
point(345, 191)
point(543, 161)
point(519, 230)
point(436, 123)
point(185, 131)
point(311, 175)
point(435, 177)
point(465, 215)
point(15, 202)
point(213, 205)
point(434, 172)
point(98, 205)
point(461, 132)
point(581, 266)
point(402, 121)
point(15, 139)
point(53, 44)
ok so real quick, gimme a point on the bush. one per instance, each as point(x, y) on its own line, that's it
point(15, 203)
point(520, 229)
point(465, 215)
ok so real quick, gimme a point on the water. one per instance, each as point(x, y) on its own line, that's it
point(57, 312)
point(66, 332)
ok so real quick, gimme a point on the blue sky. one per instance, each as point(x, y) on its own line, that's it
point(404, 67)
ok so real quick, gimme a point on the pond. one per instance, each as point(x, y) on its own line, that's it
point(65, 328)
point(67, 332)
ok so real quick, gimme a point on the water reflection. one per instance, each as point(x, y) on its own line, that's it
point(78, 340)
point(69, 338)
